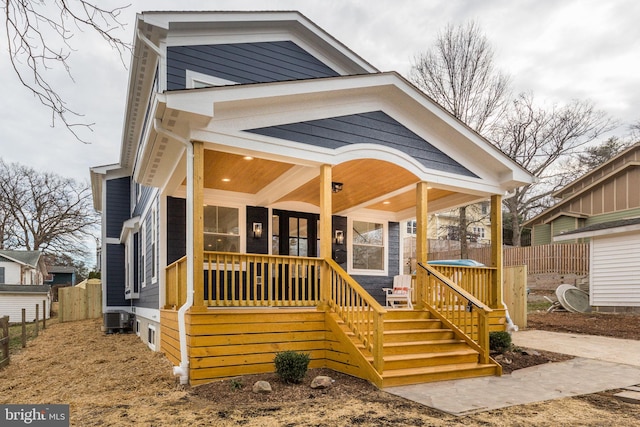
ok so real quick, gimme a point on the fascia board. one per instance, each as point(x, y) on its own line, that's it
point(597, 233)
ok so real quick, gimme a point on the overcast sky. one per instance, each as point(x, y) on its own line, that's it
point(559, 50)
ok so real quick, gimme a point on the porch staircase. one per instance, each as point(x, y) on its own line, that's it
point(418, 348)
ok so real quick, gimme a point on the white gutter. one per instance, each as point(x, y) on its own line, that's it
point(148, 42)
point(183, 369)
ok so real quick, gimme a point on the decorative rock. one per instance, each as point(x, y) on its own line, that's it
point(262, 387)
point(322, 382)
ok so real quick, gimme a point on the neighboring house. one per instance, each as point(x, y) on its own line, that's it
point(61, 275)
point(22, 267)
point(264, 172)
point(21, 284)
point(608, 193)
point(602, 208)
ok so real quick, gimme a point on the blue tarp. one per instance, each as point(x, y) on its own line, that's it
point(456, 262)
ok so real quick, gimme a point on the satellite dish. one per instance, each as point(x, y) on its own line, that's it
point(573, 299)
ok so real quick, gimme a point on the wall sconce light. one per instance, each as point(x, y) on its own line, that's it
point(339, 237)
point(257, 230)
point(336, 187)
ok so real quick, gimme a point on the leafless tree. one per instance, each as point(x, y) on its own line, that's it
point(539, 138)
point(39, 36)
point(459, 74)
point(45, 211)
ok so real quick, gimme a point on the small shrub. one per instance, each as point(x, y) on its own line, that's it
point(236, 384)
point(499, 341)
point(291, 366)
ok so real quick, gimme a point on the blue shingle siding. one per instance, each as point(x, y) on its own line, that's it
point(244, 63)
point(143, 200)
point(117, 205)
point(374, 127)
point(176, 229)
point(115, 275)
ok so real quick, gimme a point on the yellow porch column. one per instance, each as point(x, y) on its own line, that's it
point(496, 250)
point(198, 225)
point(422, 244)
point(325, 231)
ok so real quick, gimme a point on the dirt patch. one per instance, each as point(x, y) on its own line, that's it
point(616, 325)
point(117, 380)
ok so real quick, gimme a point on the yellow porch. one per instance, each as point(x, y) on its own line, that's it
point(257, 305)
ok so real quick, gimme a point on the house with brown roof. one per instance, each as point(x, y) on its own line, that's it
point(602, 208)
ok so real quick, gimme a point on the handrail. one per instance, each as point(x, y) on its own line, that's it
point(457, 309)
point(478, 281)
point(362, 314)
point(455, 288)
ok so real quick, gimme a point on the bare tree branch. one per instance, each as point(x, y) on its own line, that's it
point(539, 139)
point(39, 38)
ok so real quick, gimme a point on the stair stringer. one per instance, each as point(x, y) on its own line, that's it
point(364, 368)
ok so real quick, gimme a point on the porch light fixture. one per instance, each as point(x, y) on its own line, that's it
point(339, 237)
point(257, 230)
point(336, 187)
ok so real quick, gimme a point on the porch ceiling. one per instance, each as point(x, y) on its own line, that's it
point(367, 183)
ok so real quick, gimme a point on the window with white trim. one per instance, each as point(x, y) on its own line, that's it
point(142, 250)
point(151, 337)
point(154, 244)
point(221, 229)
point(137, 327)
point(368, 247)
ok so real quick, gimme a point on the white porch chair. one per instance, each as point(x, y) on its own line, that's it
point(400, 294)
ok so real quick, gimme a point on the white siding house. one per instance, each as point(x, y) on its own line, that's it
point(614, 281)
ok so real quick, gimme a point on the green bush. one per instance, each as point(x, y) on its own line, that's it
point(291, 366)
point(499, 341)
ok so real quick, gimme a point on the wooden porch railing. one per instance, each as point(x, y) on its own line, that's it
point(248, 280)
point(176, 283)
point(456, 307)
point(475, 280)
point(362, 314)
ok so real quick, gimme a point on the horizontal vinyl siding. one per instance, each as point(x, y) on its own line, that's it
point(541, 234)
point(615, 270)
point(614, 216)
point(374, 127)
point(244, 63)
point(12, 304)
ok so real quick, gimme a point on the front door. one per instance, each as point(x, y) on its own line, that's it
point(295, 233)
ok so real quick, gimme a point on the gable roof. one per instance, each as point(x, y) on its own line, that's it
point(629, 158)
point(153, 27)
point(28, 258)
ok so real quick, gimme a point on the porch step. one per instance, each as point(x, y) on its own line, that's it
point(397, 377)
point(417, 349)
point(418, 360)
point(412, 335)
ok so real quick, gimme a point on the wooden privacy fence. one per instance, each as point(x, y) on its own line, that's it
point(4, 341)
point(80, 302)
point(559, 258)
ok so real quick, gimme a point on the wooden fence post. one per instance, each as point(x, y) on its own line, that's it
point(37, 319)
point(24, 327)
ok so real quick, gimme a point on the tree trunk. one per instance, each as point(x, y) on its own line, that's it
point(464, 249)
point(516, 229)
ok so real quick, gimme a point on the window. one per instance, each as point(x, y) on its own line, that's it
point(151, 337)
point(154, 242)
point(221, 230)
point(137, 327)
point(411, 227)
point(142, 250)
point(195, 80)
point(368, 246)
point(478, 232)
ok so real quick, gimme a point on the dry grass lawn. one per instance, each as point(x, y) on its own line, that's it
point(116, 380)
